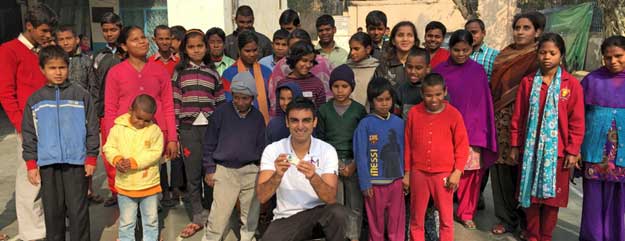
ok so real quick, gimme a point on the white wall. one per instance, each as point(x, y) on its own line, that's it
point(266, 14)
point(202, 14)
point(96, 30)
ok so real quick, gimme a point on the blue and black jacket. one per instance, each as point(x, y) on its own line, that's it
point(60, 126)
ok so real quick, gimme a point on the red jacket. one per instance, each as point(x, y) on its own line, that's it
point(20, 77)
point(570, 113)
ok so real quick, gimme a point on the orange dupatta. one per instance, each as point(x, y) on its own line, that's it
point(263, 106)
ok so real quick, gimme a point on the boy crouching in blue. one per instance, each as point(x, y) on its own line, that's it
point(60, 132)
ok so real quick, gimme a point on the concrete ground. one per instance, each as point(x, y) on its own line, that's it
point(104, 219)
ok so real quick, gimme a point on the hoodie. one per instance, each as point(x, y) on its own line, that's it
point(276, 129)
point(363, 72)
point(144, 148)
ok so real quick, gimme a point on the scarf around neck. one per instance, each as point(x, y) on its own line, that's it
point(540, 155)
point(263, 106)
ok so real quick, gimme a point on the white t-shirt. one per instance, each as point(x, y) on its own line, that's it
point(295, 194)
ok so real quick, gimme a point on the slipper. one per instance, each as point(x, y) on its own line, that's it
point(190, 230)
point(112, 201)
point(95, 198)
point(499, 229)
point(468, 224)
point(4, 237)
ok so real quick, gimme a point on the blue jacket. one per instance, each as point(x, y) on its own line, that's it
point(598, 123)
point(379, 149)
point(60, 126)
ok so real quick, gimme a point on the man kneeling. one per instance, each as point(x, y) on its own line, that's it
point(302, 172)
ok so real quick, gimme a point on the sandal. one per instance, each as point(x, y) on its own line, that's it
point(112, 201)
point(190, 230)
point(95, 198)
point(468, 224)
point(499, 229)
point(4, 237)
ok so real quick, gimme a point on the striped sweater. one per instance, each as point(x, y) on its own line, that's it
point(197, 89)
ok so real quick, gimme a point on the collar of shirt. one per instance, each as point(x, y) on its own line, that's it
point(76, 53)
point(172, 57)
point(388, 116)
point(25, 41)
point(113, 49)
point(241, 115)
point(334, 48)
point(196, 66)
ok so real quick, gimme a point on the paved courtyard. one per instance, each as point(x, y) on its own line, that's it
point(104, 219)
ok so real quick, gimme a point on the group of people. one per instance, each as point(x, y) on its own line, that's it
point(285, 140)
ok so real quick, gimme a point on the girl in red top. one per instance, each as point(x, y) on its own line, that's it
point(135, 76)
point(548, 127)
point(437, 148)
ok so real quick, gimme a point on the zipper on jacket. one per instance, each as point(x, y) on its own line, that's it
point(58, 120)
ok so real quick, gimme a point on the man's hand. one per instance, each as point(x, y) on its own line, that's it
point(513, 157)
point(453, 180)
point(171, 151)
point(282, 165)
point(348, 170)
point(209, 179)
point(368, 193)
point(33, 177)
point(571, 161)
point(306, 168)
point(89, 170)
point(406, 181)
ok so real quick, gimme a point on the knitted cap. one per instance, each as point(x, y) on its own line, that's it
point(343, 72)
point(244, 83)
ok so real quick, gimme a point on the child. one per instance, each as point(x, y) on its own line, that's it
point(280, 49)
point(378, 151)
point(550, 140)
point(436, 152)
point(362, 63)
point(134, 146)
point(338, 118)
point(301, 59)
point(327, 47)
point(198, 91)
point(233, 145)
point(276, 129)
point(403, 38)
point(80, 72)
point(164, 56)
point(376, 24)
point(434, 36)
point(289, 20)
point(604, 175)
point(416, 67)
point(216, 38)
point(61, 169)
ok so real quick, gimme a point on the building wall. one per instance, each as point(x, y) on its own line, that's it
point(96, 31)
point(201, 14)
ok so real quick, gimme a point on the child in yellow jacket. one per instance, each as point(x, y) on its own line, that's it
point(135, 146)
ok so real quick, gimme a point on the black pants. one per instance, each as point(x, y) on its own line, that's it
point(176, 173)
point(192, 139)
point(504, 182)
point(64, 194)
point(330, 220)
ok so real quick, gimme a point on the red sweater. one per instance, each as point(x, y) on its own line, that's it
point(170, 65)
point(570, 113)
point(435, 142)
point(20, 77)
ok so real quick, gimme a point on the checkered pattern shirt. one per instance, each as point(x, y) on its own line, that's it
point(486, 57)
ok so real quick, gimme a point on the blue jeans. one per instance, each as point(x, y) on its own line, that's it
point(128, 217)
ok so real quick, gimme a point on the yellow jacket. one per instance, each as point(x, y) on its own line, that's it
point(144, 148)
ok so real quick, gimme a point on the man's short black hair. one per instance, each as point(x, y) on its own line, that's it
point(325, 19)
point(40, 14)
point(244, 10)
point(52, 52)
point(246, 37)
point(433, 79)
point(478, 21)
point(160, 27)
point(177, 32)
point(67, 28)
point(112, 18)
point(375, 18)
point(280, 34)
point(216, 31)
point(289, 16)
point(301, 103)
point(436, 25)
point(145, 103)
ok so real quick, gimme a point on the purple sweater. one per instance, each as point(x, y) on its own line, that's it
point(232, 141)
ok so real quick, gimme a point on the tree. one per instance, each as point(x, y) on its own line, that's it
point(613, 17)
point(468, 8)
